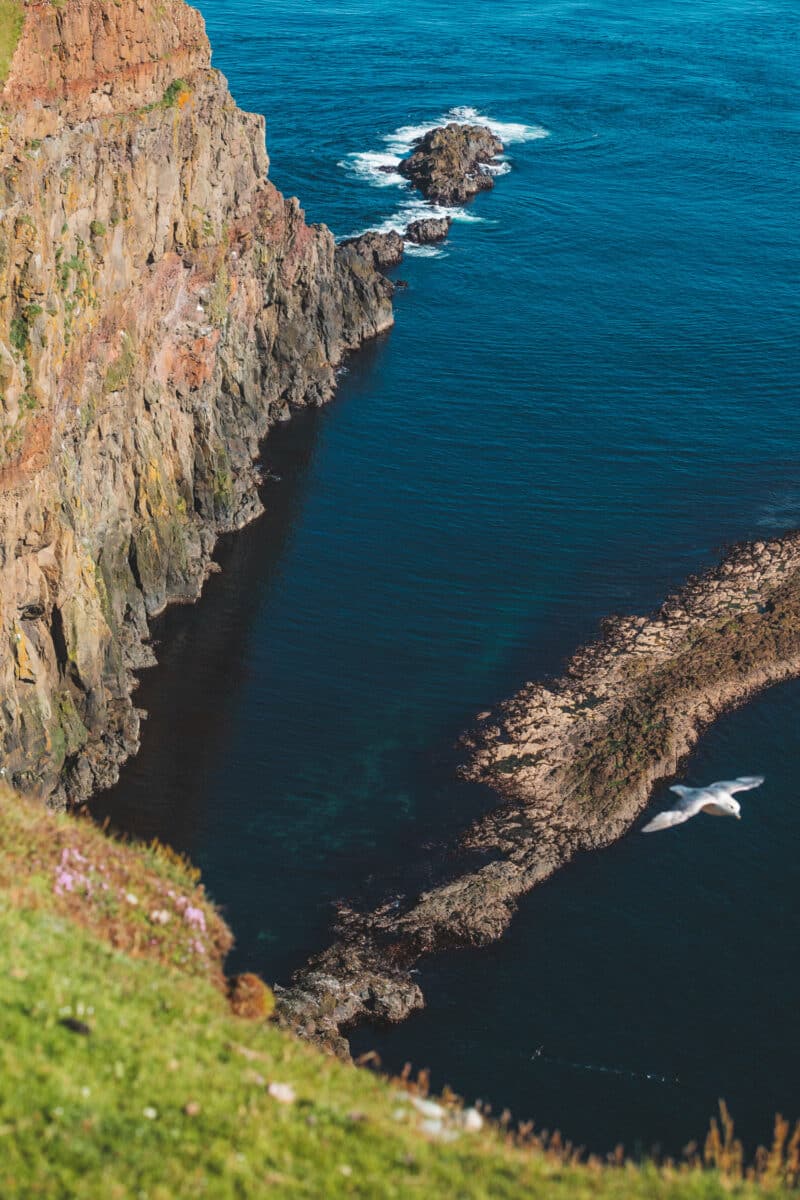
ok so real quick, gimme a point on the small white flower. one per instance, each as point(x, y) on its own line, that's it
point(129, 896)
point(472, 1120)
point(282, 1092)
point(150, 1112)
point(428, 1108)
point(159, 916)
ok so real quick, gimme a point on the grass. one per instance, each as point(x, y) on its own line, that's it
point(12, 15)
point(126, 1074)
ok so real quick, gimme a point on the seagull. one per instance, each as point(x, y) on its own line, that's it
point(716, 799)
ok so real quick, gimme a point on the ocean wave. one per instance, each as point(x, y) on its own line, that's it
point(376, 166)
point(424, 251)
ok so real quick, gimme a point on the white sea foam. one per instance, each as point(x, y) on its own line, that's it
point(417, 209)
point(379, 168)
point(424, 251)
point(498, 167)
point(372, 164)
point(375, 165)
point(509, 132)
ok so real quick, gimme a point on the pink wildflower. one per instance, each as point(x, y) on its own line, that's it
point(65, 882)
point(195, 917)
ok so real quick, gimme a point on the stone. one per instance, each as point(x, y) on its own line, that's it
point(384, 249)
point(428, 229)
point(448, 164)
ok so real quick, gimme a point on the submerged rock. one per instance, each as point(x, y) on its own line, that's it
point(448, 164)
point(428, 229)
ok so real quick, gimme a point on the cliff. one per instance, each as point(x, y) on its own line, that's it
point(161, 305)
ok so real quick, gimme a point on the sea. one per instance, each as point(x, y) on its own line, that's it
point(591, 389)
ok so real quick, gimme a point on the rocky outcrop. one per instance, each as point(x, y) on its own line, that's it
point(383, 250)
point(575, 762)
point(428, 229)
point(448, 165)
point(161, 305)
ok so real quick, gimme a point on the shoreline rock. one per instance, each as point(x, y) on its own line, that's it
point(384, 250)
point(448, 163)
point(574, 762)
point(428, 230)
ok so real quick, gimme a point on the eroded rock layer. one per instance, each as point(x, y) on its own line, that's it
point(161, 304)
point(575, 762)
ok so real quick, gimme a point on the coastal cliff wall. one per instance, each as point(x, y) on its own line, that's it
point(161, 305)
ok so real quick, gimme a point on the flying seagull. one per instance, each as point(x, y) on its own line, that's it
point(716, 799)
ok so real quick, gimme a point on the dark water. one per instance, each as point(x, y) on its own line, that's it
point(587, 392)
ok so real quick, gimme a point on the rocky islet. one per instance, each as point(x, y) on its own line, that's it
point(449, 164)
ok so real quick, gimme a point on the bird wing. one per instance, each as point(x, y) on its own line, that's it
point(743, 784)
point(690, 804)
point(664, 820)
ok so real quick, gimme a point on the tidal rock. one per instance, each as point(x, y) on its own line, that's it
point(448, 164)
point(428, 229)
point(383, 250)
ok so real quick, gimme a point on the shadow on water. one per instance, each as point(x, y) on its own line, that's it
point(202, 654)
point(203, 649)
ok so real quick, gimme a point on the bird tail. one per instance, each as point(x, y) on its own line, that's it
point(680, 790)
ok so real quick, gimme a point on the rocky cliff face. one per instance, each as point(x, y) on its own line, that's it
point(161, 304)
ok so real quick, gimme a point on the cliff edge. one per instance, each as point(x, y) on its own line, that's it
point(161, 305)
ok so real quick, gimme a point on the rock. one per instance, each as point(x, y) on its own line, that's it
point(162, 305)
point(447, 164)
point(428, 229)
point(384, 250)
point(574, 763)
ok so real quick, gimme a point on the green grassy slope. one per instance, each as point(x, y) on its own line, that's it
point(123, 1072)
point(11, 18)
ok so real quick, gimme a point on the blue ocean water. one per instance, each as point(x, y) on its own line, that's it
point(589, 391)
